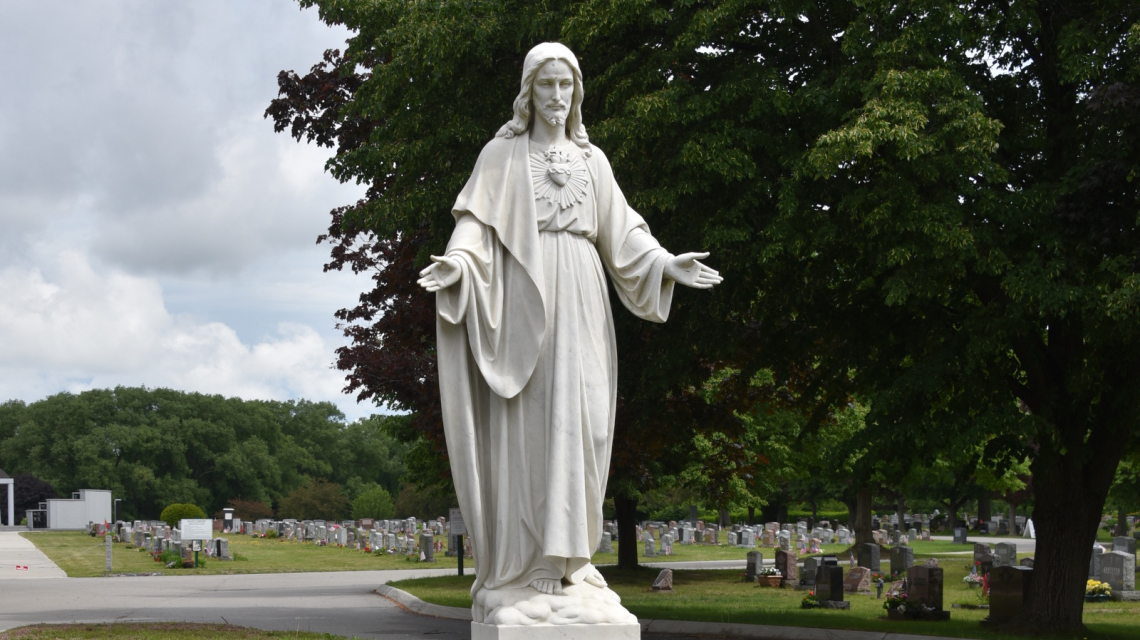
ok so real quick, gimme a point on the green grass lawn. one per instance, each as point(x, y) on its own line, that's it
point(151, 631)
point(721, 596)
point(80, 555)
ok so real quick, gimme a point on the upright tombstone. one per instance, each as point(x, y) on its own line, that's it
point(427, 545)
point(1118, 569)
point(829, 583)
point(1124, 544)
point(1094, 562)
point(901, 559)
point(924, 586)
point(786, 565)
point(983, 558)
point(807, 577)
point(607, 545)
point(753, 565)
point(858, 581)
point(1009, 589)
point(869, 556)
point(960, 534)
point(1005, 554)
point(650, 544)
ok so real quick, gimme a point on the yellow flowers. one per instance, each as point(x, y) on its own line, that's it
point(1096, 588)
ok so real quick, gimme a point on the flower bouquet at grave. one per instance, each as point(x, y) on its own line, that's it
point(810, 601)
point(1097, 591)
point(896, 603)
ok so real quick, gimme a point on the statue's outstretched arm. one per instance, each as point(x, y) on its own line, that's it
point(687, 270)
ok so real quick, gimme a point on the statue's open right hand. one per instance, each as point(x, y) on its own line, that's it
point(441, 274)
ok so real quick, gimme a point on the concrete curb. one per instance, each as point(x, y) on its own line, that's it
point(685, 627)
point(415, 605)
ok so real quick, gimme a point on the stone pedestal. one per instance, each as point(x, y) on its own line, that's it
point(630, 631)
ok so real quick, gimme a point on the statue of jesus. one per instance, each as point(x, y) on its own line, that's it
point(527, 359)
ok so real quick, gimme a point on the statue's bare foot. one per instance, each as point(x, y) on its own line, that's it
point(547, 586)
point(593, 577)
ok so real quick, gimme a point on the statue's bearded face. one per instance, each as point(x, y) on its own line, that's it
point(553, 91)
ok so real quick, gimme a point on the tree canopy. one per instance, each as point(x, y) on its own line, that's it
point(156, 447)
point(932, 206)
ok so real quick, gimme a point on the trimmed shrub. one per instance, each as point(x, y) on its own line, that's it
point(375, 503)
point(177, 511)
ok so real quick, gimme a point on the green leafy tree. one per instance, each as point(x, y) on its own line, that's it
point(177, 512)
point(933, 203)
point(375, 503)
point(315, 500)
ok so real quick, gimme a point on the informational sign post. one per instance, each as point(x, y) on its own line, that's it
point(197, 529)
point(457, 529)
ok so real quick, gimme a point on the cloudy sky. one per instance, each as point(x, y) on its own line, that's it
point(153, 229)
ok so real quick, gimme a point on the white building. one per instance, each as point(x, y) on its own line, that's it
point(85, 505)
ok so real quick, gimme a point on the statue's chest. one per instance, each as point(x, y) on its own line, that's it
point(559, 176)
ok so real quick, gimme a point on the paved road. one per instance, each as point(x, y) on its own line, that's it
point(1024, 545)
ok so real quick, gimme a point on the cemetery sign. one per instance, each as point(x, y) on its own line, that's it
point(197, 529)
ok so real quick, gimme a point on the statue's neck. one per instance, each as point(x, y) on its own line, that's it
point(544, 134)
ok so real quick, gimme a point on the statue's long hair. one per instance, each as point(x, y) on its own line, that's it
point(524, 115)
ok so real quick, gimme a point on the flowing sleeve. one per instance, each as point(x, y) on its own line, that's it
point(493, 301)
point(631, 255)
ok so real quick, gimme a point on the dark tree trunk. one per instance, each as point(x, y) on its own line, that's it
point(627, 531)
point(863, 517)
point(1012, 509)
point(724, 520)
point(852, 510)
point(985, 510)
point(751, 516)
point(1070, 492)
point(772, 511)
point(900, 511)
point(814, 513)
point(1121, 521)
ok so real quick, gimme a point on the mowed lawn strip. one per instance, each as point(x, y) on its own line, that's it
point(722, 596)
point(81, 555)
point(151, 631)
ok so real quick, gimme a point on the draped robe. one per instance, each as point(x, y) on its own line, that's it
point(528, 363)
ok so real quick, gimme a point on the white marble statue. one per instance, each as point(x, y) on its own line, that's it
point(527, 360)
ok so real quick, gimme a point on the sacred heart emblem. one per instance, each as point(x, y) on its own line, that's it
point(559, 173)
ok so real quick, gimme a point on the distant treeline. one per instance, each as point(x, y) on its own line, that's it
point(155, 447)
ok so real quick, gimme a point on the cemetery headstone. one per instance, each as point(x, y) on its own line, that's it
point(664, 581)
point(753, 565)
point(807, 578)
point(960, 535)
point(786, 565)
point(924, 586)
point(901, 559)
point(1005, 554)
point(858, 581)
point(869, 556)
point(607, 545)
point(983, 558)
point(1009, 587)
point(1127, 545)
point(650, 544)
point(829, 583)
point(1094, 562)
point(1118, 569)
point(427, 545)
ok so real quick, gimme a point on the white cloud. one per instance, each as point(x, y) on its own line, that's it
point(154, 230)
point(79, 329)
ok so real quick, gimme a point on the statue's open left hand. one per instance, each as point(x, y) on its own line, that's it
point(685, 269)
point(441, 274)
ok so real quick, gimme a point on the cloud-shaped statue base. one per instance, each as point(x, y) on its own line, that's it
point(579, 604)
